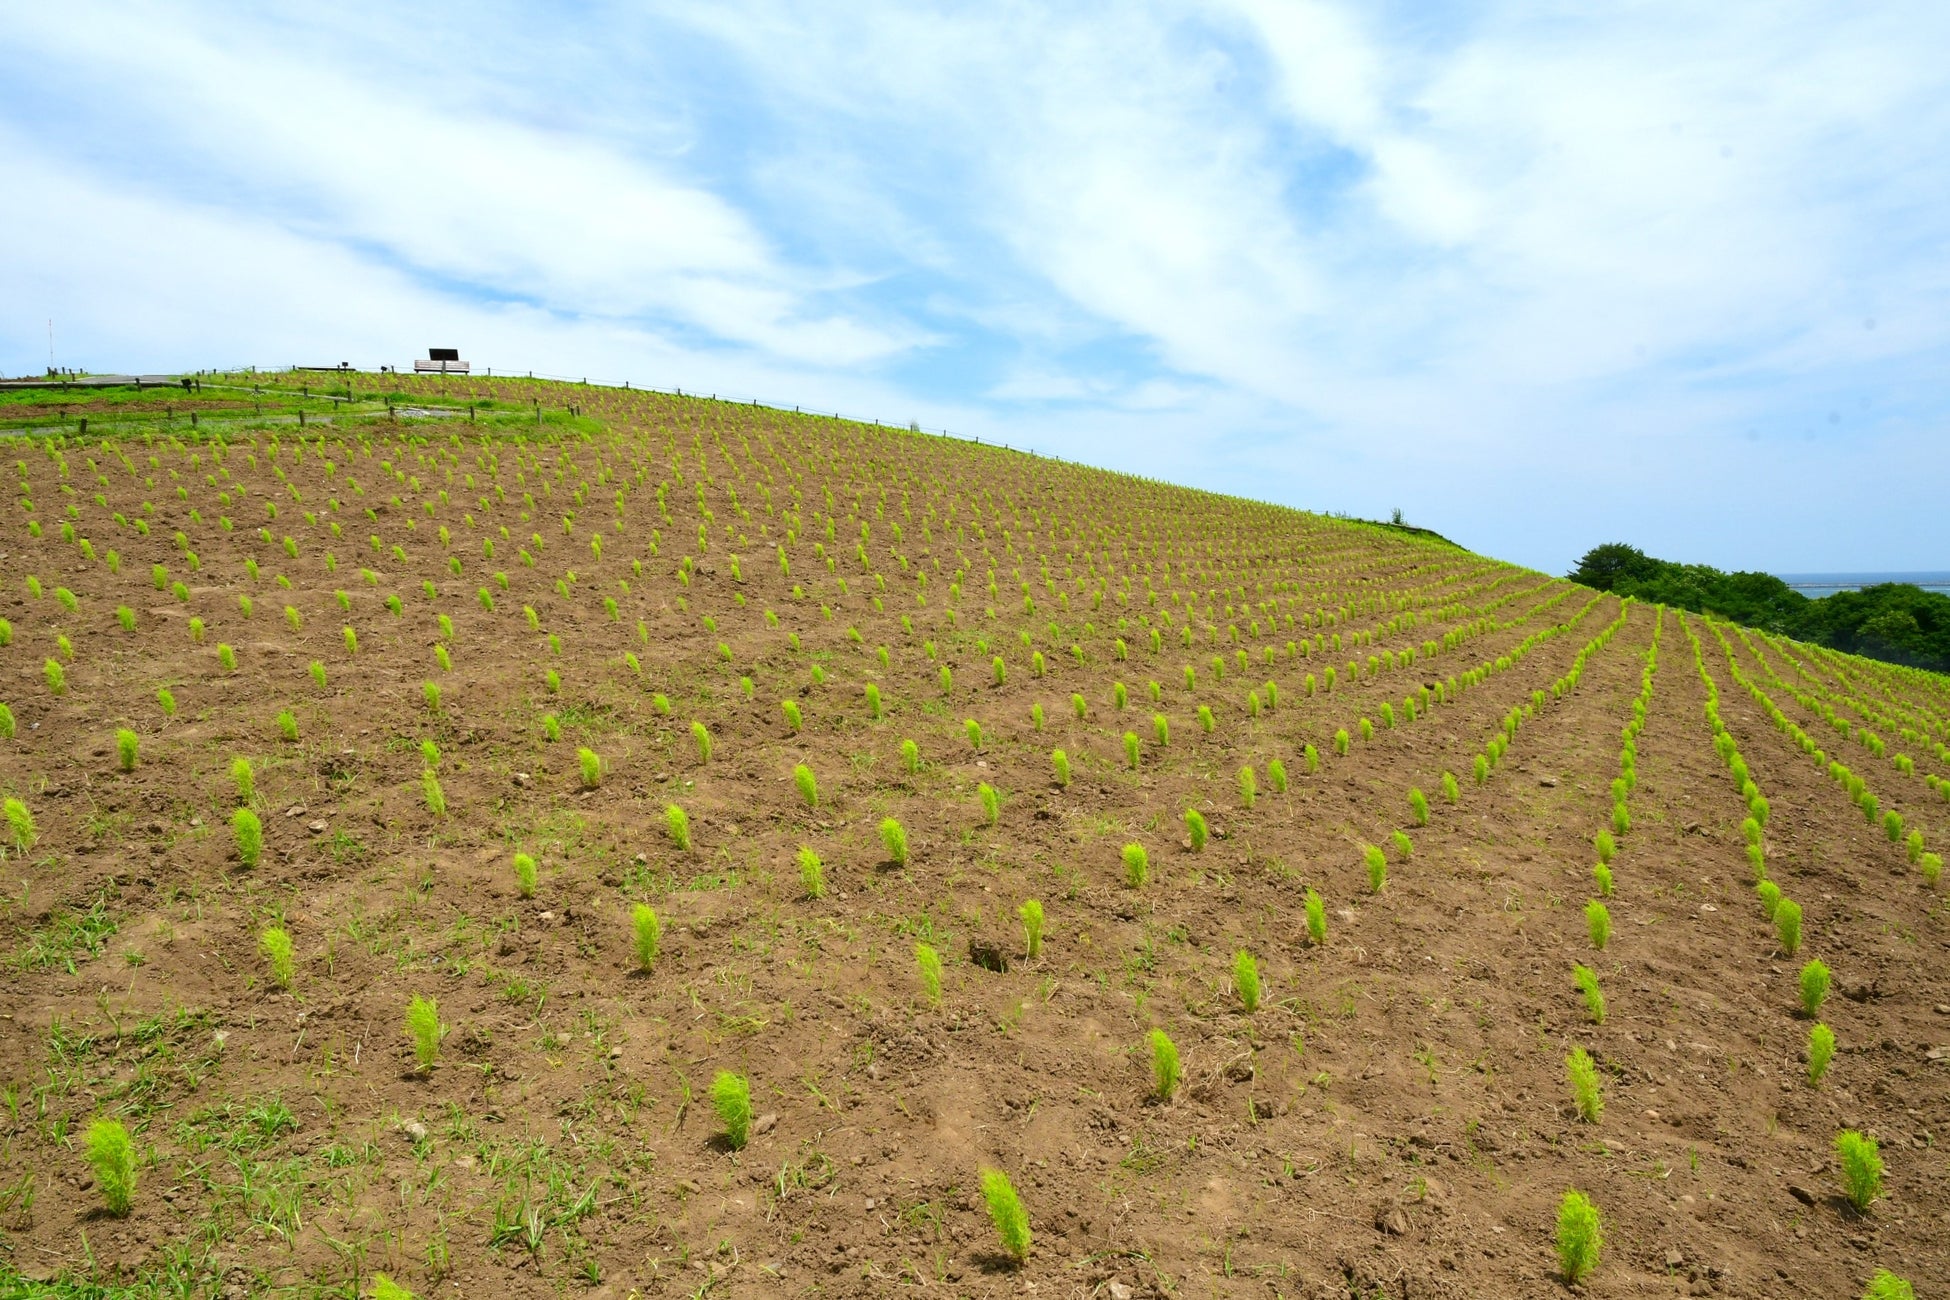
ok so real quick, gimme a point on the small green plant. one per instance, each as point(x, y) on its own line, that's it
point(1341, 742)
point(1131, 750)
point(1245, 979)
point(1602, 875)
point(1061, 762)
point(1887, 1286)
point(424, 1028)
point(1248, 786)
point(1195, 829)
point(910, 757)
point(384, 1288)
point(1821, 1050)
point(991, 803)
point(893, 837)
point(436, 798)
point(1206, 722)
point(808, 785)
point(7, 723)
point(57, 677)
point(646, 931)
point(1161, 730)
point(126, 617)
point(1404, 846)
point(1137, 865)
point(1451, 791)
point(1377, 863)
point(249, 834)
point(590, 765)
point(244, 777)
point(1006, 1212)
point(1597, 919)
point(812, 873)
point(1583, 1072)
point(1607, 847)
point(873, 701)
point(317, 671)
point(126, 745)
point(1418, 806)
point(287, 724)
point(702, 736)
point(731, 1097)
point(275, 944)
point(1031, 914)
point(928, 962)
point(1276, 776)
point(678, 825)
point(1316, 918)
point(1594, 998)
point(1787, 925)
point(525, 875)
point(1580, 1237)
point(429, 754)
point(973, 730)
point(793, 718)
point(1164, 1065)
point(1814, 987)
point(111, 1154)
point(20, 825)
point(1861, 1163)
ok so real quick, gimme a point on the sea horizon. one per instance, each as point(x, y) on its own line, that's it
point(1827, 584)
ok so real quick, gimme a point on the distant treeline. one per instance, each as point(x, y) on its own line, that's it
point(1893, 621)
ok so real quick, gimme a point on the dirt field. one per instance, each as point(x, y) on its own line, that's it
point(1393, 1119)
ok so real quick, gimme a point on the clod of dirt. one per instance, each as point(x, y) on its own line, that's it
point(989, 956)
point(413, 1130)
point(316, 828)
point(1391, 1219)
point(1801, 1194)
point(765, 1123)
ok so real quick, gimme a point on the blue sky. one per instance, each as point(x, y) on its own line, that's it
point(1540, 275)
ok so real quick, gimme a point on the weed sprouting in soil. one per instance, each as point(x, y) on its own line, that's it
point(525, 875)
point(1887, 1286)
point(248, 832)
point(928, 963)
point(1006, 1212)
point(275, 944)
point(1316, 918)
point(424, 1028)
point(1787, 925)
point(677, 824)
point(1031, 914)
point(807, 785)
point(1821, 1050)
point(1276, 776)
point(1137, 865)
point(127, 743)
point(1586, 980)
point(812, 873)
point(1580, 1237)
point(1597, 920)
point(1861, 1166)
point(1418, 806)
point(111, 1154)
point(1164, 1065)
point(893, 838)
point(1814, 987)
point(731, 1098)
point(1583, 1073)
point(1377, 864)
point(1245, 979)
point(1195, 829)
point(646, 932)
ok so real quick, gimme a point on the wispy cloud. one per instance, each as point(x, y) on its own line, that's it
point(1666, 272)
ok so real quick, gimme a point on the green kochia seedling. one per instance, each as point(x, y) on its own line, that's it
point(1814, 987)
point(424, 1027)
point(1031, 913)
point(1861, 1168)
point(1006, 1212)
point(991, 803)
point(1887, 1286)
point(287, 724)
point(808, 785)
point(126, 745)
point(111, 1155)
point(1579, 1237)
point(1418, 806)
point(275, 944)
point(1248, 786)
point(1821, 1050)
point(1316, 918)
point(1583, 1073)
point(1787, 925)
point(590, 764)
point(645, 931)
point(1164, 1065)
point(249, 833)
point(524, 875)
point(1377, 863)
point(1131, 749)
point(384, 1288)
point(1245, 979)
point(1195, 829)
point(973, 730)
point(245, 779)
point(1137, 865)
point(1450, 790)
point(1594, 999)
point(793, 718)
point(1061, 762)
point(20, 826)
point(1602, 875)
point(436, 798)
point(1607, 847)
point(928, 962)
point(702, 735)
point(678, 825)
point(731, 1097)
point(1404, 846)
point(893, 837)
point(1276, 776)
point(910, 757)
point(812, 873)
point(1597, 918)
